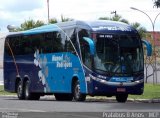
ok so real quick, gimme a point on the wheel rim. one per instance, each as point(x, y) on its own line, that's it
point(26, 90)
point(19, 90)
point(77, 91)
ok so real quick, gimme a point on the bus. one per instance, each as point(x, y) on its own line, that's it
point(73, 59)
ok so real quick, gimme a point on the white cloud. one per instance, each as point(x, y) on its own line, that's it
point(21, 5)
point(17, 11)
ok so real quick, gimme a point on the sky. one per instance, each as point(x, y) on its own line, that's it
point(16, 12)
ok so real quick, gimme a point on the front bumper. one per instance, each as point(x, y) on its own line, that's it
point(106, 88)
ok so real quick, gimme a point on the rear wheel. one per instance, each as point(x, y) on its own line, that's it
point(121, 97)
point(28, 95)
point(20, 91)
point(63, 96)
point(78, 96)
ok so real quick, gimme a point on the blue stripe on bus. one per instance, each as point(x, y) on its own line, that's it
point(42, 29)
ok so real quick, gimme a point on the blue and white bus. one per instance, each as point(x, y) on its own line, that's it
point(74, 59)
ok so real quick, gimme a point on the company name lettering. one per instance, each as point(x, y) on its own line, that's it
point(62, 61)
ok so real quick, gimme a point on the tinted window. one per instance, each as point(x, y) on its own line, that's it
point(86, 58)
point(68, 45)
point(7, 50)
point(46, 43)
point(15, 45)
point(69, 37)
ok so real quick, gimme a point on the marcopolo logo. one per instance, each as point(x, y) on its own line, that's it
point(62, 61)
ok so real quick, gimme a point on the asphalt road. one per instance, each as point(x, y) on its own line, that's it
point(11, 103)
point(47, 107)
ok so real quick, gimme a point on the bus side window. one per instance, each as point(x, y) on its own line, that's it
point(86, 57)
point(85, 51)
point(58, 42)
point(7, 49)
point(15, 45)
point(48, 42)
point(27, 45)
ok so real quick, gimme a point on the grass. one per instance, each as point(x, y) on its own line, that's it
point(2, 92)
point(150, 92)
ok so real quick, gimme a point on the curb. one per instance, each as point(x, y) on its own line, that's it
point(128, 100)
point(94, 99)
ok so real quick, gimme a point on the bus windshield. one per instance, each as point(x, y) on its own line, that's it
point(118, 54)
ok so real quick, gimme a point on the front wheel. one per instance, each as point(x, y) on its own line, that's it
point(121, 98)
point(78, 96)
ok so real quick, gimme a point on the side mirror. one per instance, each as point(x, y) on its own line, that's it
point(91, 45)
point(148, 46)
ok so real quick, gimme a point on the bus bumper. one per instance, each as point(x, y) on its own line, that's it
point(106, 88)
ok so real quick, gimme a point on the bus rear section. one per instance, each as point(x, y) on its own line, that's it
point(43, 62)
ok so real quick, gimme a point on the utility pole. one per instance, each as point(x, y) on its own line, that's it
point(114, 12)
point(48, 9)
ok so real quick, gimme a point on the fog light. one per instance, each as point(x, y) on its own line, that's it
point(96, 88)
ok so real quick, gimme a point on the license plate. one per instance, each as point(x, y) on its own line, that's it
point(121, 90)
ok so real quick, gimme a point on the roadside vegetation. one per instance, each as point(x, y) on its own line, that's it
point(2, 92)
point(150, 92)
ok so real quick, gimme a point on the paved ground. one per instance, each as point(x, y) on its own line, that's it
point(12, 104)
point(47, 107)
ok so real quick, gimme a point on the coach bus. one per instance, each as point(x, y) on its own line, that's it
point(74, 59)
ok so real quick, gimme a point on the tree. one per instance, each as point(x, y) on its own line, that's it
point(119, 18)
point(157, 3)
point(141, 30)
point(53, 20)
point(104, 18)
point(115, 18)
point(29, 24)
point(63, 19)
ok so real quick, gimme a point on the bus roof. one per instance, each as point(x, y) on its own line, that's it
point(98, 25)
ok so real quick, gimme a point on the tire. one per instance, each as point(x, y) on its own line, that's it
point(122, 98)
point(63, 97)
point(28, 95)
point(20, 91)
point(78, 96)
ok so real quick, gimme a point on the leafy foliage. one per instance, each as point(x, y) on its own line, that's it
point(63, 19)
point(141, 30)
point(115, 18)
point(157, 3)
point(104, 18)
point(53, 20)
point(29, 24)
point(119, 18)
